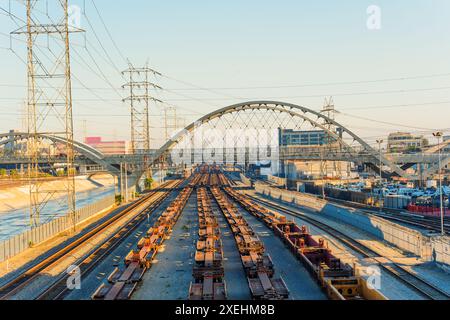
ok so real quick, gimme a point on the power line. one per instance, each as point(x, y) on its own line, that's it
point(384, 122)
point(102, 76)
point(396, 105)
point(188, 98)
point(109, 33)
point(139, 85)
point(326, 94)
point(197, 88)
point(77, 79)
point(101, 45)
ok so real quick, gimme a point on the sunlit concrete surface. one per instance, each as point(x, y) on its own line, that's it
point(171, 274)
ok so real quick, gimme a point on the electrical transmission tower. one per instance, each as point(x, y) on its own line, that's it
point(330, 111)
point(170, 122)
point(49, 105)
point(139, 86)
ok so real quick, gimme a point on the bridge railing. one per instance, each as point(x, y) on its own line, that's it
point(21, 242)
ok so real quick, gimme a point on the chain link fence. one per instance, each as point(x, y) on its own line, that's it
point(19, 243)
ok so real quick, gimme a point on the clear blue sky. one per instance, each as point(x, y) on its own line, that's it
point(256, 43)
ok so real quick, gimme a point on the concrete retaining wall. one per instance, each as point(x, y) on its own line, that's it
point(276, 180)
point(291, 197)
point(430, 248)
point(21, 242)
point(441, 250)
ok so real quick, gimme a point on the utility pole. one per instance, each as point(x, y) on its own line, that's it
point(139, 86)
point(49, 103)
point(439, 136)
point(381, 173)
point(322, 172)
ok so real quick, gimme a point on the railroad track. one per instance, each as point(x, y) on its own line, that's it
point(58, 289)
point(424, 288)
point(427, 223)
point(424, 223)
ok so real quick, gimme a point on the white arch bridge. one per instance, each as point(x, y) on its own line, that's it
point(242, 134)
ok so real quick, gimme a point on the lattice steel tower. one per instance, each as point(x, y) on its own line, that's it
point(49, 98)
point(330, 145)
point(139, 85)
point(170, 122)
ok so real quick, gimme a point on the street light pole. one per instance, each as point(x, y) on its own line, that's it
point(381, 172)
point(126, 181)
point(286, 173)
point(439, 135)
point(121, 183)
point(322, 171)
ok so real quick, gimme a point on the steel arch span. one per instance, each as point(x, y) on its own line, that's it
point(83, 149)
point(296, 116)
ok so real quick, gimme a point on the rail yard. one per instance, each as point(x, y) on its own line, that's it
point(202, 238)
point(224, 159)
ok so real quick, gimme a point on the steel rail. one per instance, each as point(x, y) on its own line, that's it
point(427, 223)
point(396, 215)
point(58, 290)
point(21, 281)
point(421, 286)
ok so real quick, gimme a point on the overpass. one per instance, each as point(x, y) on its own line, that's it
point(249, 115)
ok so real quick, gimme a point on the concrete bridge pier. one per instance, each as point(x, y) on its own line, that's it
point(127, 187)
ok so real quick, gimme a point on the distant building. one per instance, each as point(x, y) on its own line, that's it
point(317, 170)
point(289, 137)
point(311, 142)
point(107, 147)
point(400, 142)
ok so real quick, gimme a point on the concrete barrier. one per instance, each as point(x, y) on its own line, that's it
point(291, 197)
point(28, 239)
point(440, 247)
point(428, 247)
point(277, 180)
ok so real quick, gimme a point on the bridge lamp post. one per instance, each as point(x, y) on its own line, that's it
point(439, 135)
point(122, 195)
point(381, 172)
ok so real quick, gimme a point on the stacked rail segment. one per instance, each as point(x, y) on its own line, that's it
point(338, 279)
point(208, 271)
point(122, 282)
point(257, 264)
